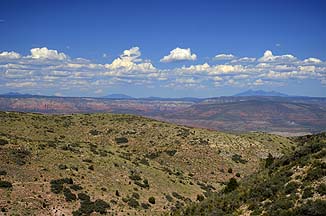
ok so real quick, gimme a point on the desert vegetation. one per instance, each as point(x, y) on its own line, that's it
point(84, 164)
point(290, 185)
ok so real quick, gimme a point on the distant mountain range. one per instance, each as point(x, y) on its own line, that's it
point(234, 113)
point(15, 94)
point(248, 93)
point(118, 96)
point(260, 93)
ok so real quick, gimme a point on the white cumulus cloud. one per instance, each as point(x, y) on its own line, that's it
point(9, 55)
point(312, 60)
point(224, 57)
point(131, 54)
point(179, 54)
point(269, 57)
point(129, 62)
point(45, 53)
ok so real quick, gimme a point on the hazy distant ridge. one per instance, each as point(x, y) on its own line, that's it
point(260, 93)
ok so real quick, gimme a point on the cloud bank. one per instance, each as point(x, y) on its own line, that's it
point(51, 69)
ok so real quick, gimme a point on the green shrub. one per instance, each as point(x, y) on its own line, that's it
point(312, 148)
point(104, 189)
point(62, 181)
point(62, 166)
point(103, 153)
point(269, 160)
point(135, 195)
point(145, 181)
point(152, 155)
point(56, 186)
point(168, 198)
point(200, 197)
point(69, 196)
point(121, 140)
point(261, 192)
point(230, 170)
point(321, 154)
point(71, 147)
point(316, 172)
point(83, 197)
point(321, 189)
point(94, 132)
point(86, 208)
point(20, 155)
point(76, 187)
point(143, 184)
point(5, 184)
point(179, 205)
point(67, 180)
point(291, 187)
point(231, 185)
point(307, 192)
point(170, 152)
point(253, 205)
point(135, 177)
point(206, 187)
point(93, 149)
point(144, 161)
point(132, 202)
point(125, 199)
point(281, 203)
point(238, 159)
point(100, 206)
point(311, 208)
point(145, 205)
point(3, 172)
point(256, 212)
point(3, 142)
point(87, 160)
point(176, 195)
point(151, 200)
point(52, 144)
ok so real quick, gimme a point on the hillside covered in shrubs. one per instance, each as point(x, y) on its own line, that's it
point(293, 185)
point(86, 164)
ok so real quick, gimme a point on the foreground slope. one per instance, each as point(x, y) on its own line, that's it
point(119, 164)
point(292, 185)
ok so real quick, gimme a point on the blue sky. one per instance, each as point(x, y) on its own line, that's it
point(162, 48)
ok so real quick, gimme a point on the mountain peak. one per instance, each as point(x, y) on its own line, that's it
point(118, 96)
point(251, 92)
